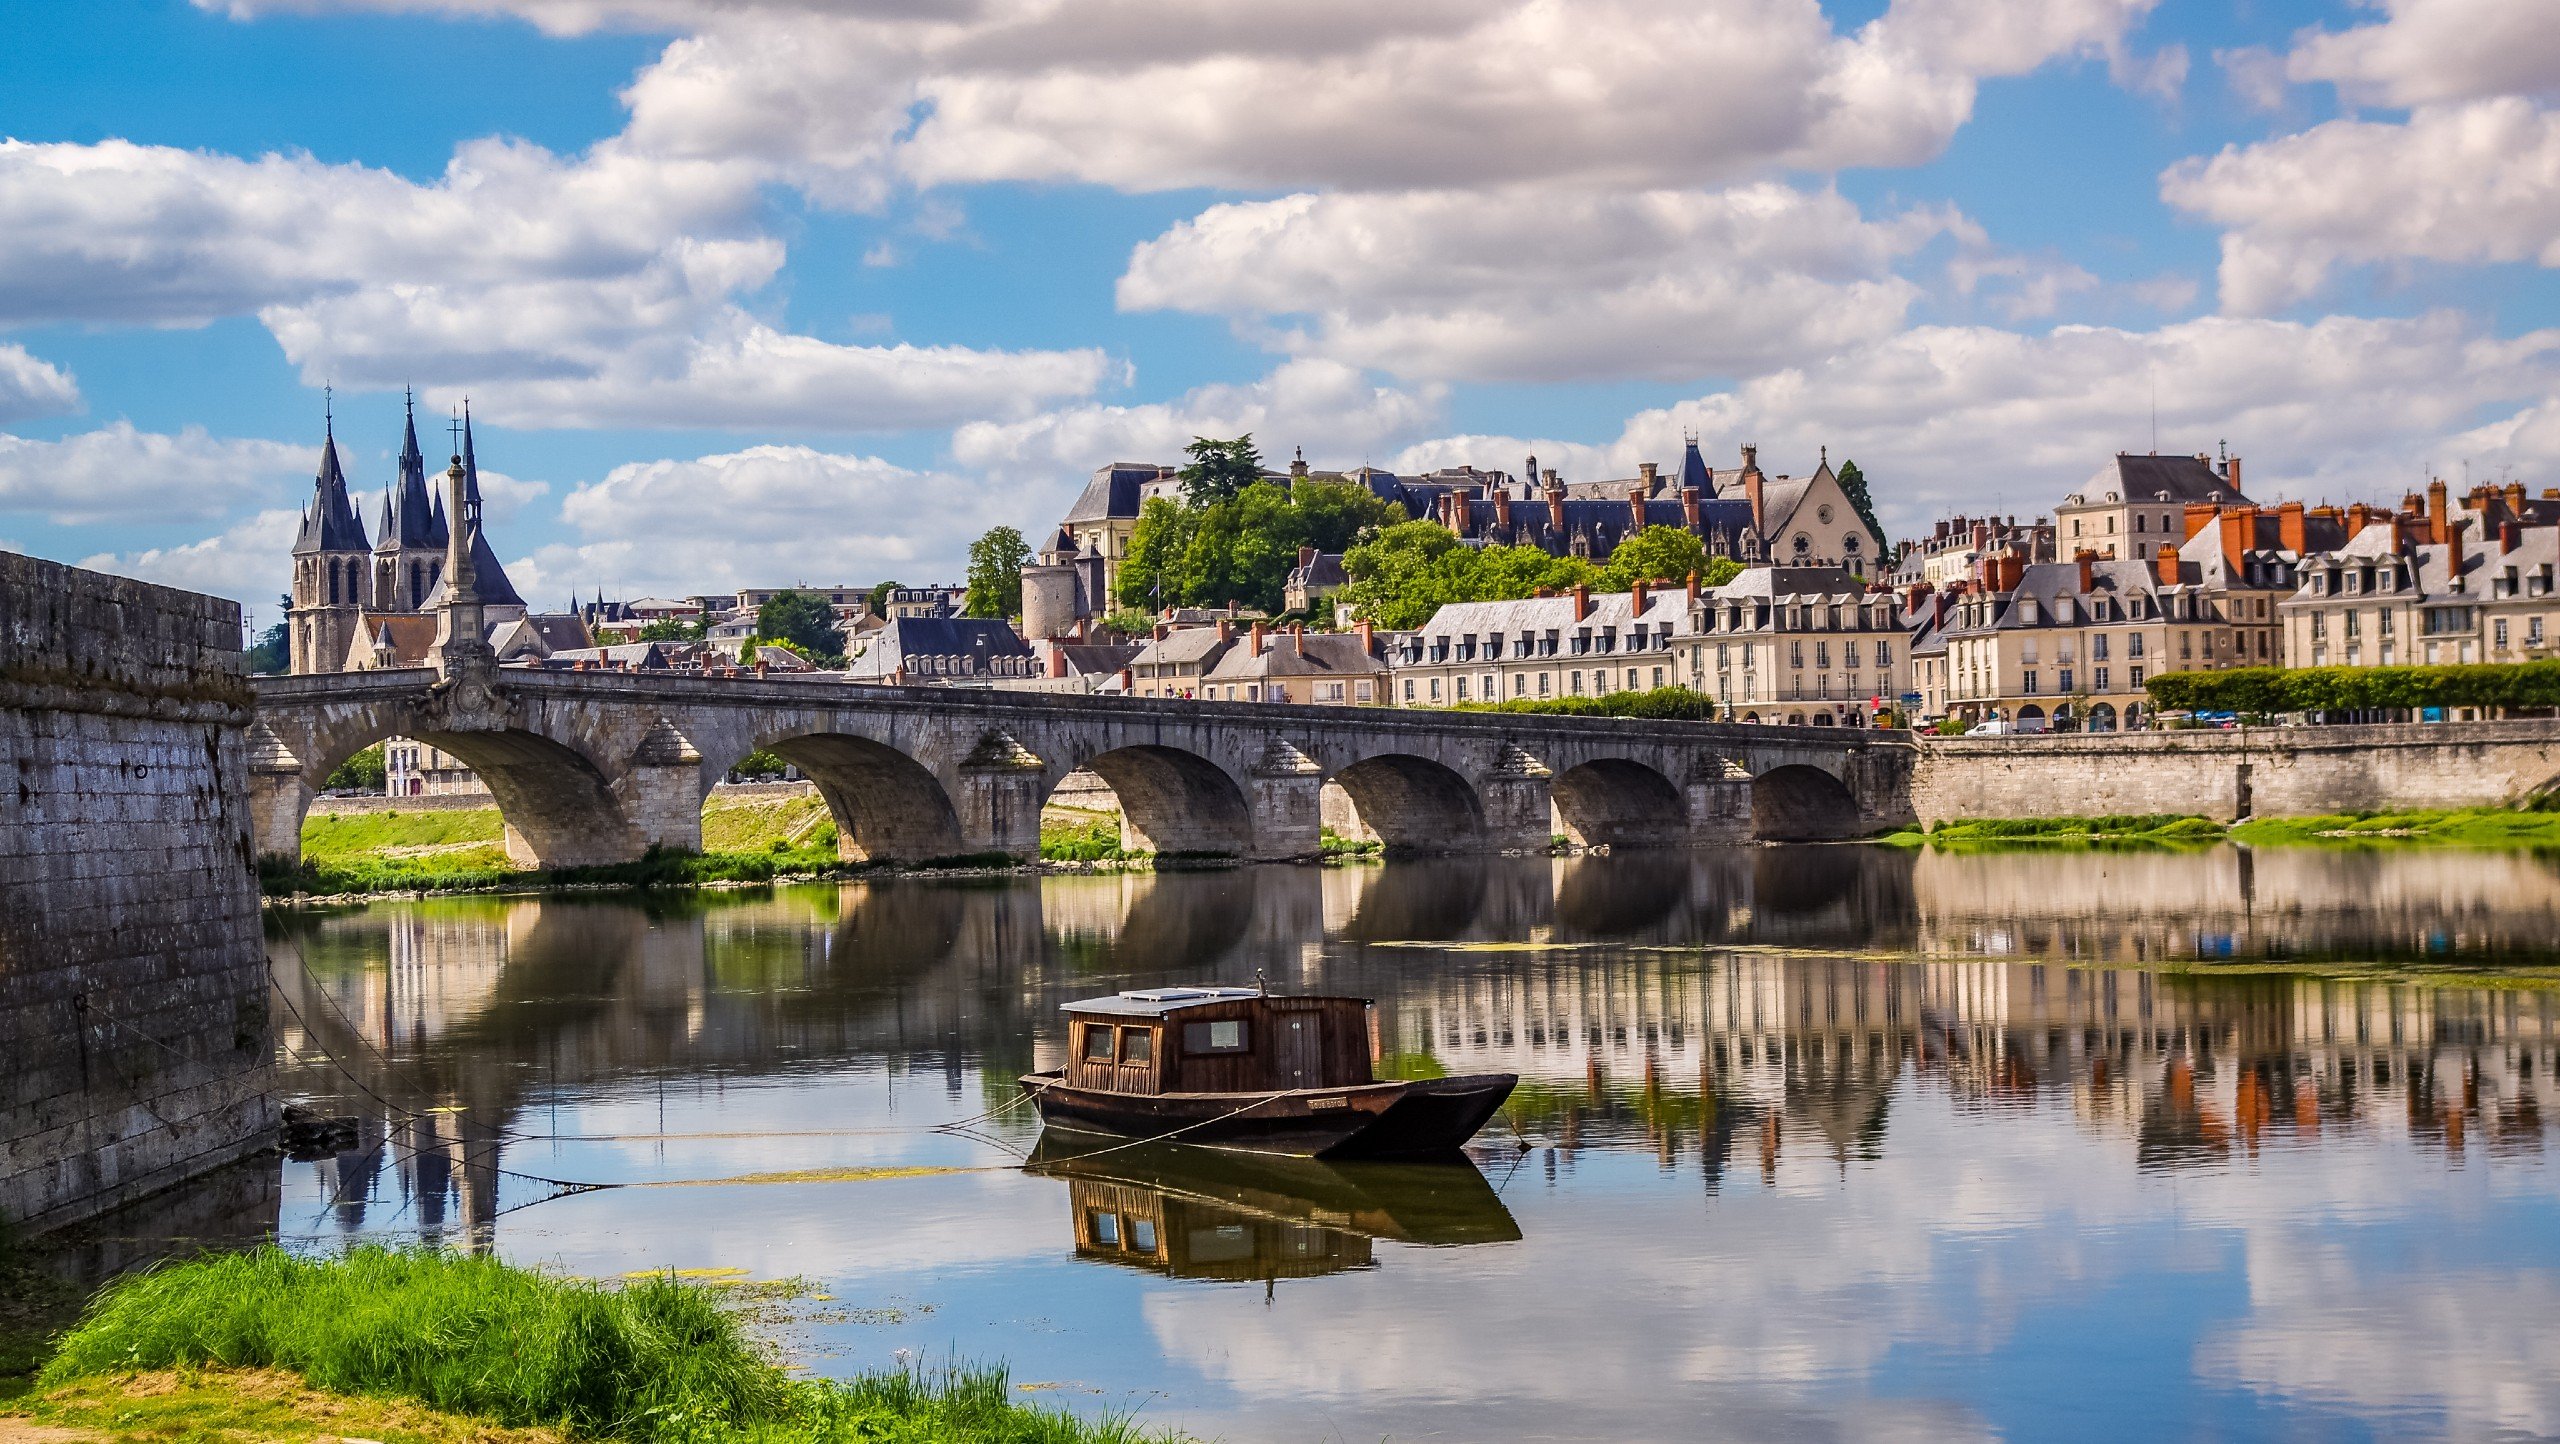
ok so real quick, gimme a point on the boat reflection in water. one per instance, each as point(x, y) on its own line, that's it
point(1193, 1213)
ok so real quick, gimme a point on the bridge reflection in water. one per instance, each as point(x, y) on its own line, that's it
point(1729, 1009)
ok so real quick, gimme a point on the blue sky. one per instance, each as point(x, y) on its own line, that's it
point(751, 291)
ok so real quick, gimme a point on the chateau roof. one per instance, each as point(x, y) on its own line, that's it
point(2152, 478)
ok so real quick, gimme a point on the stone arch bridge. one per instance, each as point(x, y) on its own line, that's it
point(593, 768)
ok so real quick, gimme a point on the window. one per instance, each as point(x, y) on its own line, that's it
point(1546, 681)
point(2098, 647)
point(1492, 688)
point(1884, 654)
point(1462, 689)
point(2031, 681)
point(1520, 684)
point(2066, 679)
point(2137, 676)
point(1097, 1043)
point(1137, 1045)
point(1142, 1235)
point(1408, 689)
point(2133, 645)
point(1577, 684)
point(2500, 627)
point(2102, 679)
point(1657, 677)
point(1226, 1036)
point(1105, 1228)
point(1435, 689)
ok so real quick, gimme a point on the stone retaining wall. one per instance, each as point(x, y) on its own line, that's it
point(134, 1042)
point(2243, 772)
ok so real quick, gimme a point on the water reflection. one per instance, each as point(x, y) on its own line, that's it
point(1817, 1136)
point(1200, 1213)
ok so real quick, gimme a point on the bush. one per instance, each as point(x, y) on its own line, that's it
point(2272, 690)
point(364, 772)
point(1659, 704)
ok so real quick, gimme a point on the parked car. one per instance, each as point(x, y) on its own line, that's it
point(1994, 727)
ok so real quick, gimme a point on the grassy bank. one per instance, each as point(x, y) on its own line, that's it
point(479, 1340)
point(2471, 827)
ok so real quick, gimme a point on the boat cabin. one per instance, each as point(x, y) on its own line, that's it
point(1216, 1040)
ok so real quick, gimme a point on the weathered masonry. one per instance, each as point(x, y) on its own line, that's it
point(134, 1047)
point(2244, 772)
point(599, 767)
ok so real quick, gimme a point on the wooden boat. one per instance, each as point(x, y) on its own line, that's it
point(1240, 1068)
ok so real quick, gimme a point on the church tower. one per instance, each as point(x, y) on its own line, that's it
point(494, 595)
point(409, 554)
point(332, 570)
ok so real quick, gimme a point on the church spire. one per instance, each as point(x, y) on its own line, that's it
point(412, 525)
point(331, 523)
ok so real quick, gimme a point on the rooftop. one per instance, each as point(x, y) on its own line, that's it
point(1156, 1002)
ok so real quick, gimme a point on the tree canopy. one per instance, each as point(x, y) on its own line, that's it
point(1655, 554)
point(1219, 469)
point(2270, 690)
point(1853, 484)
point(672, 629)
point(807, 622)
point(1242, 549)
point(1404, 573)
point(880, 597)
point(273, 651)
point(996, 560)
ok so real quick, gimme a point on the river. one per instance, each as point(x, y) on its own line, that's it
point(1822, 1142)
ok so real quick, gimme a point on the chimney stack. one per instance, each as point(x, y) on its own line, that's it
point(2239, 534)
point(1635, 508)
point(1306, 556)
point(1162, 631)
point(2510, 536)
point(1581, 601)
point(2088, 561)
point(1368, 636)
point(1689, 507)
point(2231, 474)
point(2164, 566)
point(1057, 661)
point(1555, 505)
point(1226, 630)
point(1298, 638)
point(1260, 632)
point(1650, 473)
point(2436, 528)
point(2013, 569)
point(1502, 508)
point(2289, 529)
point(1750, 457)
point(2198, 516)
point(2515, 499)
point(2453, 554)
point(1693, 591)
point(1639, 597)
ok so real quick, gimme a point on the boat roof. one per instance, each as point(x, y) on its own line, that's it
point(1156, 1002)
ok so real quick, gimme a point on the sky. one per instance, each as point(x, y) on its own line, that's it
point(754, 292)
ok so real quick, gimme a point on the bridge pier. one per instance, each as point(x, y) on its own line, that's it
point(1519, 799)
point(1284, 805)
point(662, 792)
point(1718, 795)
point(999, 797)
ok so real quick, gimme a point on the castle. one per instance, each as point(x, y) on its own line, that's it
point(359, 604)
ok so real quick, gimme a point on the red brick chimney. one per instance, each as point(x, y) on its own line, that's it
point(2231, 474)
point(1226, 630)
point(2510, 536)
point(1639, 597)
point(2199, 515)
point(1128, 683)
point(2164, 564)
point(1555, 503)
point(2239, 533)
point(2289, 529)
point(1298, 638)
point(1368, 636)
point(1260, 632)
point(2013, 570)
point(1306, 556)
point(1689, 507)
point(1751, 489)
point(1581, 601)
point(1693, 590)
point(1162, 630)
point(1502, 507)
point(2088, 561)
point(2515, 498)
point(1057, 661)
point(2436, 529)
point(2453, 551)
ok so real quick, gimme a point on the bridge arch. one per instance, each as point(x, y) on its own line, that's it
point(1174, 801)
point(1802, 803)
point(1618, 802)
point(887, 806)
point(558, 807)
point(1412, 804)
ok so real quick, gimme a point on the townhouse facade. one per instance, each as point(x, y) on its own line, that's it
point(1808, 646)
point(1577, 644)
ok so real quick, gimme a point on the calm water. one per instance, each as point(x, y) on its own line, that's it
point(1811, 1143)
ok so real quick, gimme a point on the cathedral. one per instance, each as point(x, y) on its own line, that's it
point(360, 604)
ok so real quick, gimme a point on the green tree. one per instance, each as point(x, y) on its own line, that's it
point(672, 629)
point(808, 623)
point(1853, 484)
point(1334, 514)
point(996, 560)
point(1719, 571)
point(1655, 554)
point(1396, 577)
point(1150, 576)
point(1219, 469)
point(880, 597)
point(364, 772)
point(273, 651)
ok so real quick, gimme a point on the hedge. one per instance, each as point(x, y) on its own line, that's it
point(1660, 704)
point(2355, 689)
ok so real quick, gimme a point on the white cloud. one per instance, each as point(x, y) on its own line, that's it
point(1948, 418)
point(250, 562)
point(1154, 94)
point(595, 292)
point(1529, 283)
point(1324, 402)
point(764, 515)
point(120, 474)
point(2436, 50)
point(2475, 182)
point(30, 387)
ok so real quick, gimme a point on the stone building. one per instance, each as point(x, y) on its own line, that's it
point(940, 651)
point(1801, 645)
point(1312, 583)
point(1580, 644)
point(2065, 645)
point(2137, 503)
point(1955, 544)
point(2390, 595)
point(1319, 668)
point(1741, 512)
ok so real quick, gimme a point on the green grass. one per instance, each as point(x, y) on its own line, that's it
point(657, 870)
point(657, 1360)
point(1093, 839)
point(335, 835)
point(1330, 843)
point(2468, 827)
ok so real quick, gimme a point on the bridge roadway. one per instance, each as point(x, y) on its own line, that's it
point(593, 767)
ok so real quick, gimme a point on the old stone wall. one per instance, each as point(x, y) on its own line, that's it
point(134, 1044)
point(2252, 772)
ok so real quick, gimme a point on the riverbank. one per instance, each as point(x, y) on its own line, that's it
point(432, 1345)
point(2462, 828)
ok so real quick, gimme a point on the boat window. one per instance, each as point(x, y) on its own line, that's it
point(1142, 1235)
point(1105, 1228)
point(1137, 1045)
point(1097, 1042)
point(1220, 1037)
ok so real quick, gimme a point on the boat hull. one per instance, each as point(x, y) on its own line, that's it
point(1367, 1120)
